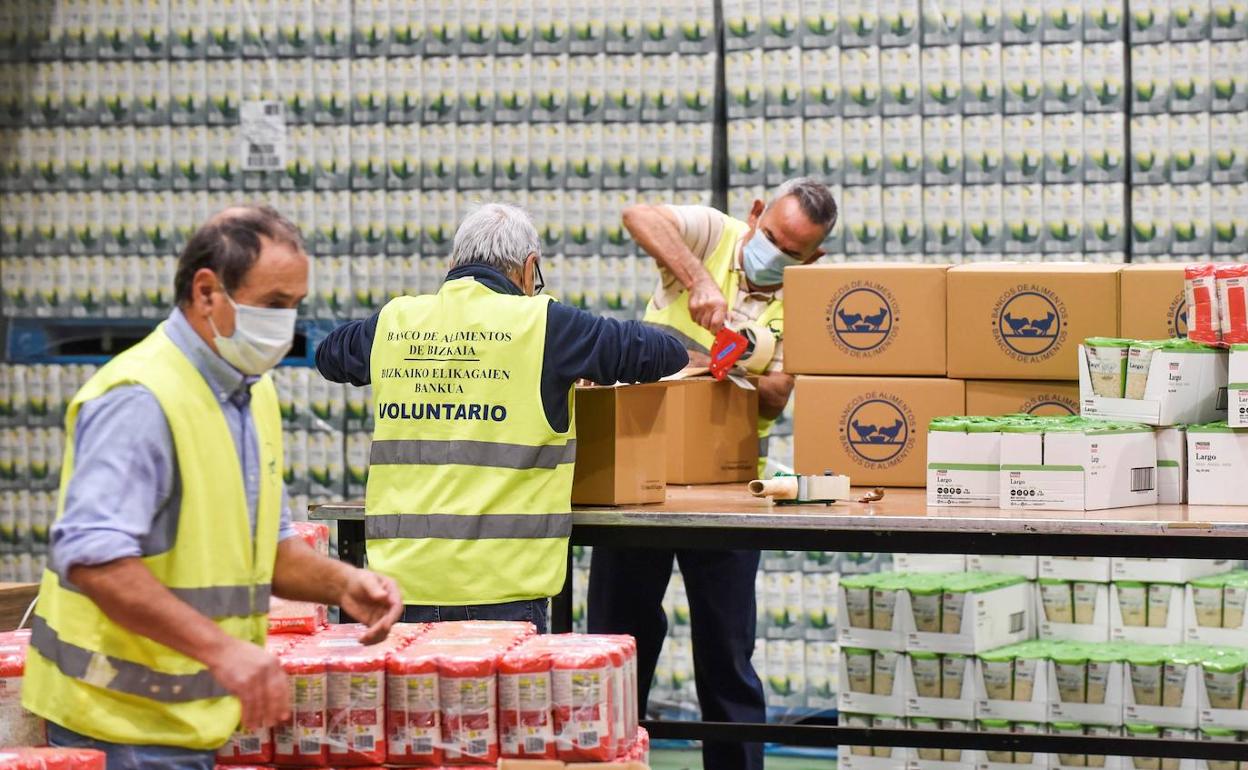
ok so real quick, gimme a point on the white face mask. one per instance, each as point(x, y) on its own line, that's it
point(262, 337)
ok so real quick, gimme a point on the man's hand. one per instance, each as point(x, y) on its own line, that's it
point(374, 601)
point(256, 678)
point(707, 306)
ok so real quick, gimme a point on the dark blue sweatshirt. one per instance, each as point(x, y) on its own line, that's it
point(579, 345)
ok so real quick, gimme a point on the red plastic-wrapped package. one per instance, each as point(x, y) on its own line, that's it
point(412, 710)
point(581, 684)
point(18, 727)
point(355, 699)
point(303, 739)
point(1203, 314)
point(468, 697)
point(247, 747)
point(525, 722)
point(1232, 283)
point(315, 534)
point(51, 759)
point(500, 631)
point(287, 617)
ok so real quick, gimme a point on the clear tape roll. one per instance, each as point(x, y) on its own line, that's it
point(763, 349)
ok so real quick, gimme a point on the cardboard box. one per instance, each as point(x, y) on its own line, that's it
point(1171, 465)
point(1183, 715)
point(1237, 388)
point(1233, 719)
point(872, 429)
point(1195, 633)
point(998, 397)
point(1091, 569)
point(956, 703)
point(1183, 387)
point(963, 469)
point(1152, 305)
point(621, 447)
point(1167, 570)
point(929, 562)
point(1079, 471)
point(891, 702)
point(1033, 710)
point(1018, 321)
point(1108, 713)
point(1170, 633)
point(1025, 566)
point(1095, 631)
point(1216, 458)
point(990, 619)
point(712, 432)
point(865, 319)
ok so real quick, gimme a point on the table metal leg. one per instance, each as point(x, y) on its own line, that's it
point(350, 550)
point(561, 604)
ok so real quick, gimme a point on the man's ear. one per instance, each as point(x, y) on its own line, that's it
point(756, 211)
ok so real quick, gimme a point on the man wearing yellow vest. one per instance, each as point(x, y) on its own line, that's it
point(173, 529)
point(470, 479)
point(715, 271)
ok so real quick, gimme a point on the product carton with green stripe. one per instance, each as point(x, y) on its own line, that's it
point(1214, 610)
point(1013, 683)
point(963, 462)
point(1171, 466)
point(1077, 610)
point(976, 611)
point(1076, 464)
point(1167, 382)
point(1217, 455)
point(1167, 570)
point(1237, 389)
point(1161, 685)
point(1147, 613)
point(1222, 689)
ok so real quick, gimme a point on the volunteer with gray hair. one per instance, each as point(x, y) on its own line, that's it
point(470, 480)
point(173, 527)
point(714, 271)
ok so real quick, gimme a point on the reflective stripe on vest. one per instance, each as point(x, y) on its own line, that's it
point(119, 675)
point(483, 453)
point(469, 490)
point(90, 675)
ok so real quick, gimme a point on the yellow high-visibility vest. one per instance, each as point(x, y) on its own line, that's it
point(721, 264)
point(469, 486)
point(90, 675)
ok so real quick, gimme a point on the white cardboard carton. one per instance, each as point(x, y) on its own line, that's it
point(1216, 458)
point(1184, 715)
point(915, 762)
point(1107, 713)
point(1184, 387)
point(1025, 566)
point(960, 706)
point(1197, 634)
point(867, 703)
point(930, 562)
point(1237, 389)
point(1034, 710)
point(1096, 631)
point(963, 469)
point(1094, 569)
point(1171, 633)
point(1231, 719)
point(990, 619)
point(1171, 466)
point(850, 761)
point(852, 636)
point(1078, 471)
point(1167, 570)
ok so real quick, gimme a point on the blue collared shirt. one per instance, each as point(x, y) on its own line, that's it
point(125, 495)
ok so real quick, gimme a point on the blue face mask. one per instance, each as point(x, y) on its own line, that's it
point(763, 261)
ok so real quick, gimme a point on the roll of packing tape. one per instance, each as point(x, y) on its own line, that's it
point(762, 348)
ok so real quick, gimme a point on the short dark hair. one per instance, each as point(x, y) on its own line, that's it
point(229, 244)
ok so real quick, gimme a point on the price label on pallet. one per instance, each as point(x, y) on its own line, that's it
point(263, 135)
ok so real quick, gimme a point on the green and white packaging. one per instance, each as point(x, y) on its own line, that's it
point(942, 149)
point(821, 80)
point(223, 171)
point(659, 33)
point(371, 21)
point(982, 212)
point(1021, 21)
point(623, 27)
point(942, 219)
point(695, 25)
point(1189, 142)
point(1150, 149)
point(860, 74)
point(188, 86)
point(439, 223)
point(942, 23)
point(511, 156)
point(1103, 21)
point(901, 81)
point(825, 158)
point(547, 145)
point(368, 156)
point(1022, 74)
point(1229, 20)
point(981, 79)
point(402, 233)
point(981, 22)
point(1104, 77)
point(225, 30)
point(1228, 66)
point(658, 156)
point(1063, 148)
point(1190, 20)
point(942, 82)
point(585, 237)
point(863, 146)
point(1063, 77)
point(621, 155)
point(821, 24)
point(660, 86)
point(332, 83)
point(786, 674)
point(584, 156)
point(1190, 208)
point(1022, 141)
point(1150, 219)
point(903, 153)
point(693, 160)
point(513, 88)
point(743, 24)
point(1022, 208)
point(783, 77)
point(1063, 21)
point(332, 155)
point(1063, 218)
point(332, 28)
point(903, 227)
point(188, 26)
point(368, 90)
point(1150, 21)
point(1104, 137)
point(697, 88)
point(474, 153)
point(900, 23)
point(623, 88)
point(475, 80)
point(1189, 77)
point(745, 78)
point(1104, 218)
point(402, 155)
point(983, 149)
point(860, 24)
point(151, 91)
point(1150, 78)
point(1228, 206)
point(550, 89)
point(587, 84)
point(864, 210)
point(407, 30)
point(298, 90)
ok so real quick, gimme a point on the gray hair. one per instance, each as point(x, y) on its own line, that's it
point(813, 196)
point(498, 235)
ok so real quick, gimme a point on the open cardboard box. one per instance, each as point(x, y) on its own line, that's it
point(711, 428)
point(847, 760)
point(955, 706)
point(1096, 631)
point(1090, 470)
point(1230, 719)
point(1036, 709)
point(1170, 633)
point(1237, 388)
point(1166, 570)
point(990, 619)
point(621, 449)
point(915, 761)
point(1184, 715)
point(850, 702)
point(1214, 635)
point(893, 638)
point(1107, 713)
point(1184, 387)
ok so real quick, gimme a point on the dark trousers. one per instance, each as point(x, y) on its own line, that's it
point(534, 611)
point(626, 589)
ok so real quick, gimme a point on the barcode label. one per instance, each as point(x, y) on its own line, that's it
point(1016, 622)
point(1142, 479)
point(534, 745)
point(364, 742)
point(478, 747)
point(263, 134)
point(588, 739)
point(422, 746)
point(309, 746)
point(249, 746)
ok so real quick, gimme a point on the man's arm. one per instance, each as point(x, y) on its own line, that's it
point(344, 355)
point(774, 390)
point(130, 595)
point(657, 230)
point(302, 574)
point(585, 346)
